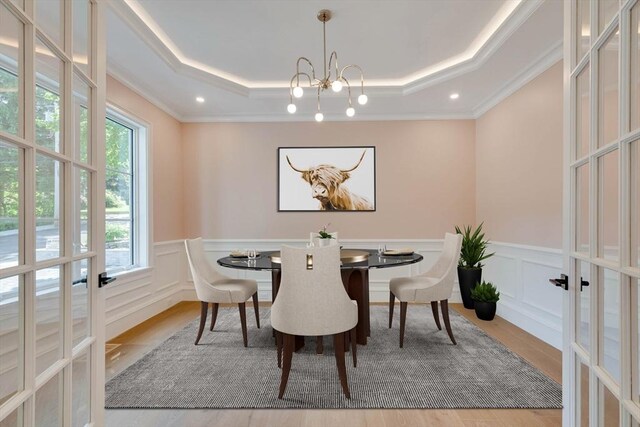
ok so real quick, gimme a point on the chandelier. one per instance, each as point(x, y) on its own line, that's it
point(336, 82)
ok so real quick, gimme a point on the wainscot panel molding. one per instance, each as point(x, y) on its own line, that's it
point(527, 299)
point(141, 294)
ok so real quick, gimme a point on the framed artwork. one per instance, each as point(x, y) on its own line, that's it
point(326, 179)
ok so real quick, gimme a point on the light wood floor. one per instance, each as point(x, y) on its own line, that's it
point(134, 343)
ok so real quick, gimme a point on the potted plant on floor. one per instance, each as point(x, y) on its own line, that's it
point(472, 253)
point(485, 297)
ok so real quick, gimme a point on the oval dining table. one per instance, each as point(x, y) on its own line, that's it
point(355, 267)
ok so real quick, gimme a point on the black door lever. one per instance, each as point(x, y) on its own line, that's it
point(104, 280)
point(583, 283)
point(563, 282)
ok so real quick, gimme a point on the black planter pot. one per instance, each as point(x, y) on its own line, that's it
point(468, 278)
point(485, 310)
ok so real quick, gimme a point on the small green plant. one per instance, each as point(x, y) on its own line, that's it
point(114, 232)
point(485, 292)
point(112, 199)
point(474, 247)
point(324, 234)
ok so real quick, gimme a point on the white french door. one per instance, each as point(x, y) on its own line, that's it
point(601, 375)
point(52, 110)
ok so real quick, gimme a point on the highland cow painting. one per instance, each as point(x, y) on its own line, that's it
point(326, 179)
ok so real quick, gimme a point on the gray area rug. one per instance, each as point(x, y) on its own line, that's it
point(429, 372)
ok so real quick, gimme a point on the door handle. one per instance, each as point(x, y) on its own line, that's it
point(563, 282)
point(583, 283)
point(104, 280)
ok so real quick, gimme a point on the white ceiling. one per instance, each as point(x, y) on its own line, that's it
point(240, 55)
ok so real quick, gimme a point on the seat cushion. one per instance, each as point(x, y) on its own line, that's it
point(405, 288)
point(239, 290)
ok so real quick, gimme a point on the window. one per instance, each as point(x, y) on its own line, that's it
point(126, 225)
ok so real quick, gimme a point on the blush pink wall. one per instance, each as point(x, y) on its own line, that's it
point(166, 148)
point(519, 164)
point(425, 173)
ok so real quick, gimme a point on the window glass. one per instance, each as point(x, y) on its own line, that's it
point(49, 19)
point(80, 300)
point(583, 120)
point(48, 403)
point(48, 207)
point(48, 318)
point(582, 209)
point(11, 310)
point(610, 351)
point(10, 194)
point(583, 28)
point(82, 214)
point(82, 105)
point(11, 52)
point(119, 224)
point(608, 244)
point(635, 67)
point(606, 9)
point(81, 39)
point(49, 71)
point(608, 90)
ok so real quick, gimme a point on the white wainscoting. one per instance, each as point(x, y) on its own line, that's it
point(136, 296)
point(527, 299)
point(520, 272)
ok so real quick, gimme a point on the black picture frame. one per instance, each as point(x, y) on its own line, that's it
point(325, 167)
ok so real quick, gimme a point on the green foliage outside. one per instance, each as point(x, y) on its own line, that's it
point(474, 246)
point(485, 292)
point(115, 231)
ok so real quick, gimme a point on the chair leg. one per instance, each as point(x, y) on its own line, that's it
point(204, 307)
point(338, 344)
point(403, 318)
point(436, 317)
point(354, 347)
point(444, 305)
point(392, 301)
point(255, 308)
point(279, 347)
point(289, 344)
point(319, 345)
point(243, 321)
point(214, 314)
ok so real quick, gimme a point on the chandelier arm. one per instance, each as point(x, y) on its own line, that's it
point(348, 88)
point(319, 98)
point(296, 76)
point(334, 54)
point(313, 71)
point(361, 74)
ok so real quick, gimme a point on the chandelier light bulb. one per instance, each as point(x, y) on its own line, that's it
point(291, 108)
point(319, 117)
point(336, 86)
point(297, 92)
point(362, 99)
point(350, 112)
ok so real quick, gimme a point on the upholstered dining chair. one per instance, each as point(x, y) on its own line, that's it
point(215, 288)
point(430, 287)
point(312, 301)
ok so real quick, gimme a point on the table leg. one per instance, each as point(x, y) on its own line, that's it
point(356, 283)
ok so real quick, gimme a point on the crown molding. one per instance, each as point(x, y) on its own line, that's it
point(533, 70)
point(287, 118)
point(134, 15)
point(145, 93)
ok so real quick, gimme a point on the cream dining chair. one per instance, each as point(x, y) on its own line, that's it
point(215, 288)
point(430, 287)
point(312, 301)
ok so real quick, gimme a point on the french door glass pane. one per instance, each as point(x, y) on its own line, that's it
point(583, 397)
point(48, 318)
point(582, 113)
point(608, 246)
point(608, 90)
point(610, 357)
point(82, 105)
point(636, 385)
point(80, 301)
point(611, 413)
point(82, 220)
point(583, 306)
point(583, 28)
point(49, 403)
point(49, 19)
point(48, 207)
point(12, 419)
point(606, 10)
point(80, 376)
point(635, 203)
point(635, 68)
point(582, 209)
point(19, 3)
point(118, 222)
point(11, 337)
point(10, 194)
point(11, 51)
point(81, 39)
point(49, 72)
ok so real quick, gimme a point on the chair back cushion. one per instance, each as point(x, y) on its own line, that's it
point(313, 301)
point(444, 269)
point(203, 273)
